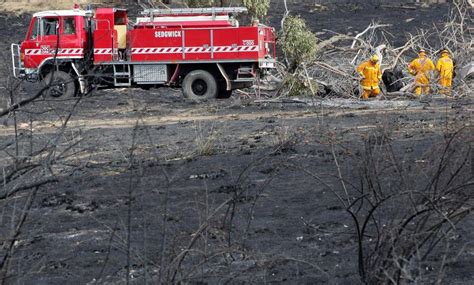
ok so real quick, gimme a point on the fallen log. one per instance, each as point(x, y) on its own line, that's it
point(398, 94)
point(334, 69)
point(399, 7)
point(281, 101)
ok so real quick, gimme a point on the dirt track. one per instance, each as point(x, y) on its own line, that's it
point(174, 166)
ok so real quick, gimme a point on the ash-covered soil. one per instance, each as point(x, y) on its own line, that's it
point(231, 191)
point(351, 17)
point(143, 155)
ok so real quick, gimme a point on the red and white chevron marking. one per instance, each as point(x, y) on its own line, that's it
point(194, 49)
point(236, 49)
point(226, 49)
point(198, 49)
point(61, 52)
point(100, 51)
point(156, 50)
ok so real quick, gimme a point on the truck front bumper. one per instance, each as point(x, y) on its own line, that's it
point(18, 70)
point(17, 66)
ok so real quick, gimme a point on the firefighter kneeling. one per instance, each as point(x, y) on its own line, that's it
point(371, 76)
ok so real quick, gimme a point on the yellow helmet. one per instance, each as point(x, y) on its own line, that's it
point(374, 58)
point(444, 51)
point(422, 51)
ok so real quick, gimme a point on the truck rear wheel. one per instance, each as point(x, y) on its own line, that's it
point(62, 84)
point(200, 85)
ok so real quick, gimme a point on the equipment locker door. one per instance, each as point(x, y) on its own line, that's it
point(248, 43)
point(226, 43)
point(197, 44)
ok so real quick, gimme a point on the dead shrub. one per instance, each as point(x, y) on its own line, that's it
point(285, 140)
point(406, 214)
point(205, 141)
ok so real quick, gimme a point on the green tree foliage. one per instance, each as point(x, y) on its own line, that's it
point(257, 8)
point(200, 3)
point(299, 45)
point(297, 41)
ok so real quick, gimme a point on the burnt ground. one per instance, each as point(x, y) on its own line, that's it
point(287, 225)
point(352, 17)
point(248, 190)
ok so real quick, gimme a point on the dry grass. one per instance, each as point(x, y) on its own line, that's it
point(206, 140)
point(285, 140)
point(24, 6)
point(206, 146)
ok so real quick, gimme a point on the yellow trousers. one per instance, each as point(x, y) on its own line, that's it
point(366, 93)
point(445, 83)
point(422, 89)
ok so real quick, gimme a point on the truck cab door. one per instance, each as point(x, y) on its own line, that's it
point(48, 40)
point(41, 42)
point(71, 37)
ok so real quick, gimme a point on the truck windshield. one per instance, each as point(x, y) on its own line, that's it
point(34, 30)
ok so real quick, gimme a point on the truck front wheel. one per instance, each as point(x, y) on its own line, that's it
point(200, 85)
point(61, 84)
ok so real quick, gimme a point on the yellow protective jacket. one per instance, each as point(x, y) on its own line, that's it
point(421, 67)
point(445, 67)
point(371, 75)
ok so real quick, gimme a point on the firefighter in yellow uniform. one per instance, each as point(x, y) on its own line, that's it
point(422, 68)
point(371, 76)
point(445, 67)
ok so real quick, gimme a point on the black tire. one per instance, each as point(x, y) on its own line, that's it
point(62, 85)
point(200, 85)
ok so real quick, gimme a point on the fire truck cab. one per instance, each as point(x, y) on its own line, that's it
point(204, 50)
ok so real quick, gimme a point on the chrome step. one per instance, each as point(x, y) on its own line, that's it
point(122, 75)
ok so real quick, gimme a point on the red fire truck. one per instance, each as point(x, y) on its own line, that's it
point(203, 50)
